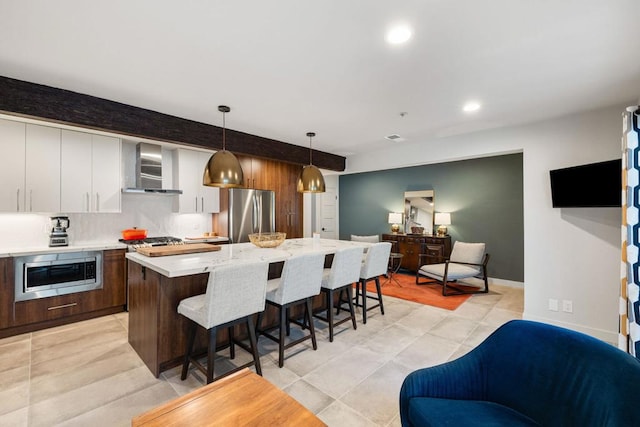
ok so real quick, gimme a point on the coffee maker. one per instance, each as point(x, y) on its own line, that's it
point(59, 226)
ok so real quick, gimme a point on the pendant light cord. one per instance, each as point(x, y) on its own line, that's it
point(223, 131)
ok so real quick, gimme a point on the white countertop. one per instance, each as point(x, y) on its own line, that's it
point(203, 262)
point(36, 250)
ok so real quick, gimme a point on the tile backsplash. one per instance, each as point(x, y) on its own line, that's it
point(152, 212)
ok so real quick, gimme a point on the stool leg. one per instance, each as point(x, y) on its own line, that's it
point(363, 282)
point(311, 327)
point(379, 294)
point(232, 347)
point(283, 327)
point(211, 354)
point(329, 294)
point(288, 315)
point(254, 345)
point(351, 307)
point(191, 337)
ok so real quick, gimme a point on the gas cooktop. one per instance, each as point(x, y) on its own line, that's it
point(152, 241)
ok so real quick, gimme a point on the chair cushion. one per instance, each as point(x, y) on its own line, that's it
point(193, 308)
point(467, 252)
point(272, 289)
point(455, 272)
point(425, 411)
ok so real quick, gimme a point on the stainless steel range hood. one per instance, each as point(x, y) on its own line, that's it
point(149, 171)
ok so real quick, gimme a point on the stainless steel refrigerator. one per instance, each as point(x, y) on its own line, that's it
point(250, 211)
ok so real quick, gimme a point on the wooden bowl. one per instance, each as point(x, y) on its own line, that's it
point(267, 240)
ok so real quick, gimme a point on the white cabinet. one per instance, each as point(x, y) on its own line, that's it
point(12, 141)
point(188, 170)
point(90, 177)
point(42, 169)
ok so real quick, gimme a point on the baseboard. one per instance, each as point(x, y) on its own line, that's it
point(606, 336)
point(492, 281)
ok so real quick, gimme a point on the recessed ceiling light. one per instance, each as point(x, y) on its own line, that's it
point(471, 106)
point(398, 34)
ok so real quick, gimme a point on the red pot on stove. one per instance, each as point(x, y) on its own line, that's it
point(134, 233)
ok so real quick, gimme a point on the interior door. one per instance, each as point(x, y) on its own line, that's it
point(328, 213)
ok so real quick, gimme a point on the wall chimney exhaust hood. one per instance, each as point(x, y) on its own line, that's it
point(149, 171)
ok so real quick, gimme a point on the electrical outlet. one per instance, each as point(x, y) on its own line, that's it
point(553, 304)
point(567, 306)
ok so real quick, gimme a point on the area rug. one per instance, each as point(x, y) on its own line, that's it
point(406, 289)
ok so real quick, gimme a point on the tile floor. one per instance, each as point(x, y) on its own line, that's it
point(87, 374)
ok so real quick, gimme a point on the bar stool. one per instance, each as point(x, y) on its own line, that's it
point(298, 284)
point(374, 265)
point(234, 293)
point(344, 272)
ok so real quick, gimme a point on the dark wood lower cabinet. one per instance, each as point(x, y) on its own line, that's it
point(410, 246)
point(6, 292)
point(27, 316)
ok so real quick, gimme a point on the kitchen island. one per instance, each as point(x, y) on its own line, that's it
point(158, 284)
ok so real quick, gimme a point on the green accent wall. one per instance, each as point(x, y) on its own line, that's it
point(484, 197)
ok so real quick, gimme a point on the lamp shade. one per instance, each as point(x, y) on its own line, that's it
point(443, 218)
point(395, 218)
point(223, 170)
point(311, 179)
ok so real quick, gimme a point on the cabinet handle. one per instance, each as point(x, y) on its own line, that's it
point(202, 204)
point(88, 202)
point(254, 183)
point(30, 200)
point(18, 200)
point(57, 307)
point(97, 202)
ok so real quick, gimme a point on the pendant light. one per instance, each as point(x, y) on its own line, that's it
point(223, 168)
point(311, 180)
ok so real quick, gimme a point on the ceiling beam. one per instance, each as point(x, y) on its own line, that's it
point(37, 101)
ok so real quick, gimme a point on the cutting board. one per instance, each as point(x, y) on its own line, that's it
point(178, 249)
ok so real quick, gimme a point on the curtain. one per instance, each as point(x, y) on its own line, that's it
point(629, 327)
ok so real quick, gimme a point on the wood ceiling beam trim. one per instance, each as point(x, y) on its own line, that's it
point(26, 99)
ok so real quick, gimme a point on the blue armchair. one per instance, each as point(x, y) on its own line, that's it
point(527, 374)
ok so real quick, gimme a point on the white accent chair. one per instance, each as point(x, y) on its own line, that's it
point(367, 239)
point(298, 284)
point(467, 260)
point(344, 272)
point(234, 294)
point(373, 266)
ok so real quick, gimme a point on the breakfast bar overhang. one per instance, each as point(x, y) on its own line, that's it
point(158, 284)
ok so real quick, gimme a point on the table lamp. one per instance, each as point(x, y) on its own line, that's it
point(442, 219)
point(395, 218)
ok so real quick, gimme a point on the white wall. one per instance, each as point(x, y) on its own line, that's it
point(571, 254)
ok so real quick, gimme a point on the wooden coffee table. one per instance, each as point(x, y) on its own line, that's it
point(241, 399)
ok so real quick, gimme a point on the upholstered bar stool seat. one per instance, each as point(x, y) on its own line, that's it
point(298, 284)
point(373, 266)
point(344, 272)
point(234, 294)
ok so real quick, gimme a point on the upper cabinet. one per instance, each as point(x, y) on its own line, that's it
point(188, 171)
point(255, 171)
point(42, 169)
point(46, 169)
point(90, 173)
point(12, 140)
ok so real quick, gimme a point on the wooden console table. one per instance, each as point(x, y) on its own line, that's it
point(411, 245)
point(241, 399)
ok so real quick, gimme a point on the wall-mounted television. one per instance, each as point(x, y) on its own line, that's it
point(592, 185)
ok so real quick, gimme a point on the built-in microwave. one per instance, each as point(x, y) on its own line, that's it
point(46, 275)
